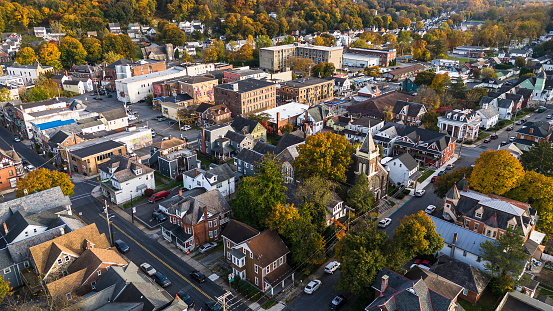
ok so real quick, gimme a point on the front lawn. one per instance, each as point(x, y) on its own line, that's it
point(486, 302)
point(425, 174)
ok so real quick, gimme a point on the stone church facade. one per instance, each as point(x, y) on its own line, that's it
point(367, 161)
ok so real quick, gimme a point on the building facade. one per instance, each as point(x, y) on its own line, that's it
point(276, 58)
point(246, 96)
point(200, 88)
point(385, 56)
point(461, 124)
point(306, 90)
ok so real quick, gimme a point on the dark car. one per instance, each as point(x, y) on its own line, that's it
point(122, 247)
point(213, 306)
point(186, 298)
point(159, 116)
point(198, 276)
point(337, 302)
point(161, 279)
point(503, 143)
point(434, 178)
point(442, 173)
point(171, 122)
point(494, 136)
point(159, 217)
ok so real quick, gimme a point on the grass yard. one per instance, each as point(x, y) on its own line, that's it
point(461, 60)
point(206, 161)
point(545, 292)
point(272, 140)
point(425, 174)
point(486, 302)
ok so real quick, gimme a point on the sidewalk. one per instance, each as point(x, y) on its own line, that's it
point(75, 177)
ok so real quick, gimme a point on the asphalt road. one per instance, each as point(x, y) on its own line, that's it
point(7, 142)
point(320, 299)
point(143, 248)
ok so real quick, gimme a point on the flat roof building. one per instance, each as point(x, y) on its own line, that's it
point(275, 58)
point(307, 90)
point(246, 96)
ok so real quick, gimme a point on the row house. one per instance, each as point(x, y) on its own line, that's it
point(11, 169)
point(357, 129)
point(532, 134)
point(193, 221)
point(171, 157)
point(210, 114)
point(408, 112)
point(219, 177)
point(29, 73)
point(463, 125)
point(403, 72)
point(260, 258)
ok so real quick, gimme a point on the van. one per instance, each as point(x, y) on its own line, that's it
point(158, 196)
point(332, 266)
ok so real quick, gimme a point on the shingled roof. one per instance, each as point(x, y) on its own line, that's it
point(238, 232)
point(48, 199)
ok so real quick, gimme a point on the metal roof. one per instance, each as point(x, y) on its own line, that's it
point(496, 204)
point(466, 240)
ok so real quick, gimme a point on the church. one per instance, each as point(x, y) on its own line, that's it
point(367, 161)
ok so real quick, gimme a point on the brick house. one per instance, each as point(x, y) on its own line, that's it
point(11, 169)
point(193, 221)
point(410, 113)
point(210, 114)
point(533, 133)
point(426, 146)
point(259, 258)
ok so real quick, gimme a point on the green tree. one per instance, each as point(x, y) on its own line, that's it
point(424, 78)
point(539, 159)
point(263, 42)
point(149, 99)
point(42, 179)
point(459, 89)
point(257, 195)
point(323, 70)
point(326, 155)
point(72, 52)
point(111, 57)
point(496, 171)
point(430, 121)
point(503, 258)
point(488, 73)
point(26, 56)
point(417, 235)
point(520, 62)
point(360, 197)
point(445, 182)
point(93, 49)
point(287, 128)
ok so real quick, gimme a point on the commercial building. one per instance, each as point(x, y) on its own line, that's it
point(246, 96)
point(360, 61)
point(134, 89)
point(86, 157)
point(385, 56)
point(234, 75)
point(29, 73)
point(307, 90)
point(200, 88)
point(275, 58)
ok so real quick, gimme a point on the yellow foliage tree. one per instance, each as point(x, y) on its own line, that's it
point(42, 179)
point(26, 56)
point(439, 83)
point(319, 41)
point(417, 234)
point(49, 54)
point(496, 171)
point(326, 155)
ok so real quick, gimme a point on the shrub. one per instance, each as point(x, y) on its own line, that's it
point(179, 177)
point(148, 192)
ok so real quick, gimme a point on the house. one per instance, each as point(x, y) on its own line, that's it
point(84, 158)
point(379, 107)
point(396, 292)
point(210, 114)
point(283, 114)
point(212, 139)
point(403, 72)
point(51, 199)
point(339, 123)
point(460, 124)
point(315, 118)
point(219, 177)
point(434, 283)
point(409, 86)
point(115, 120)
point(335, 208)
point(193, 221)
point(489, 116)
point(505, 107)
point(490, 215)
point(512, 149)
point(532, 133)
point(29, 73)
point(114, 28)
point(369, 91)
point(408, 112)
point(94, 73)
point(259, 258)
point(251, 127)
point(74, 86)
point(246, 160)
point(518, 301)
point(70, 265)
point(157, 52)
point(171, 157)
point(342, 85)
point(403, 169)
point(471, 279)
point(122, 178)
point(358, 128)
point(367, 161)
point(240, 141)
point(11, 170)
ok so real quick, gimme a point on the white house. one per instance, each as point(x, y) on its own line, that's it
point(358, 128)
point(29, 73)
point(505, 108)
point(316, 117)
point(74, 86)
point(336, 208)
point(403, 169)
point(460, 124)
point(134, 89)
point(218, 177)
point(444, 62)
point(123, 178)
point(489, 116)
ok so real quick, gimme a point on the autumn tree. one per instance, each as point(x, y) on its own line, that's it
point(445, 182)
point(488, 73)
point(496, 171)
point(404, 22)
point(245, 53)
point(440, 82)
point(49, 55)
point(5, 95)
point(26, 56)
point(111, 57)
point(503, 258)
point(424, 78)
point(520, 61)
point(326, 155)
point(257, 195)
point(318, 41)
point(171, 33)
point(373, 71)
point(42, 179)
point(360, 198)
point(300, 64)
point(5, 289)
point(93, 49)
point(417, 235)
point(72, 52)
point(323, 70)
point(428, 97)
point(539, 159)
point(119, 44)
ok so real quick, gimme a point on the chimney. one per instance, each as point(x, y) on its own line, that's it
point(180, 193)
point(195, 172)
point(453, 243)
point(548, 126)
point(418, 139)
point(383, 308)
point(278, 118)
point(383, 285)
point(6, 229)
point(531, 130)
point(202, 147)
point(306, 116)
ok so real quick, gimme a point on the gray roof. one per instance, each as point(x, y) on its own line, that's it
point(5, 259)
point(466, 240)
point(246, 85)
point(461, 274)
point(114, 114)
point(320, 112)
point(539, 129)
point(19, 251)
point(412, 109)
point(264, 148)
point(241, 125)
point(123, 168)
point(35, 202)
point(236, 137)
point(303, 82)
point(505, 103)
point(192, 207)
point(249, 156)
point(486, 100)
point(20, 220)
point(407, 160)
point(96, 149)
point(288, 140)
point(489, 112)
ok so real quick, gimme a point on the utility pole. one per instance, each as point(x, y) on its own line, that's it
point(132, 209)
point(110, 230)
point(223, 298)
point(68, 161)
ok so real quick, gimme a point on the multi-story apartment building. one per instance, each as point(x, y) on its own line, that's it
point(29, 73)
point(136, 88)
point(234, 75)
point(247, 96)
point(200, 88)
point(385, 56)
point(275, 58)
point(460, 124)
point(307, 90)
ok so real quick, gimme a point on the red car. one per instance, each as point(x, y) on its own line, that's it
point(487, 140)
point(434, 178)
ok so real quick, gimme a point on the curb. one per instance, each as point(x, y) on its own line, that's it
point(399, 207)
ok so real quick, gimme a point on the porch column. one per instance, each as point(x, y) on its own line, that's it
point(282, 285)
point(272, 291)
point(292, 277)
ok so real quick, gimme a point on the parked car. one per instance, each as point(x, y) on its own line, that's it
point(449, 167)
point(186, 127)
point(512, 138)
point(198, 276)
point(16, 139)
point(186, 298)
point(153, 134)
point(510, 128)
point(384, 223)
point(159, 217)
point(440, 173)
point(494, 136)
point(171, 122)
point(548, 116)
point(132, 154)
point(312, 286)
point(487, 140)
point(207, 246)
point(519, 122)
point(161, 119)
point(434, 178)
point(503, 143)
point(122, 247)
point(161, 279)
point(430, 209)
point(165, 138)
point(213, 306)
point(425, 263)
point(420, 193)
point(158, 196)
point(337, 302)
point(132, 117)
point(29, 167)
point(160, 116)
point(23, 160)
point(332, 266)
point(149, 270)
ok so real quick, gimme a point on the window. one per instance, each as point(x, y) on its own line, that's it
point(11, 172)
point(475, 226)
point(256, 268)
point(93, 284)
point(66, 258)
point(215, 233)
point(210, 224)
point(489, 232)
point(251, 255)
point(211, 234)
point(26, 264)
point(467, 223)
point(228, 243)
point(268, 269)
point(464, 253)
point(478, 215)
point(69, 296)
point(281, 259)
point(228, 255)
point(99, 272)
point(9, 270)
point(60, 261)
point(256, 281)
point(274, 265)
point(465, 291)
point(64, 273)
point(494, 234)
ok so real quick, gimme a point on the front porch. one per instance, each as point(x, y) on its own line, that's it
point(279, 280)
point(32, 280)
point(175, 234)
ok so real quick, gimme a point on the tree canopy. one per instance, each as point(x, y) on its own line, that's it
point(496, 171)
point(72, 52)
point(417, 234)
point(539, 159)
point(42, 179)
point(445, 182)
point(360, 197)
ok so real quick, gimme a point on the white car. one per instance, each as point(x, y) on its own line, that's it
point(29, 167)
point(332, 266)
point(449, 167)
point(312, 286)
point(164, 138)
point(132, 117)
point(16, 139)
point(420, 193)
point(430, 209)
point(384, 223)
point(512, 138)
point(132, 154)
point(186, 127)
point(149, 270)
point(207, 246)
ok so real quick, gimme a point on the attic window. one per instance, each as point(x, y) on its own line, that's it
point(478, 215)
point(60, 261)
point(138, 171)
point(66, 258)
point(461, 118)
